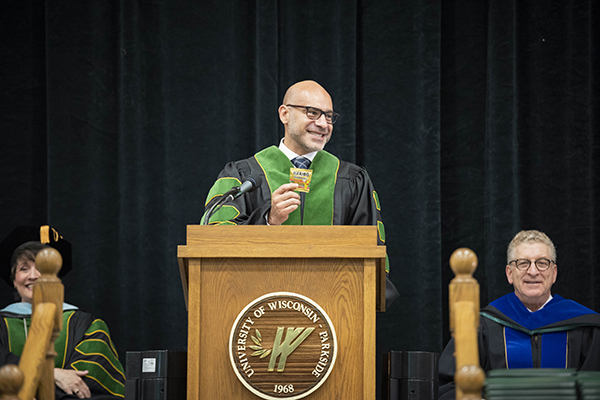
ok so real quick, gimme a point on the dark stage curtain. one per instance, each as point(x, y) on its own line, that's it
point(475, 119)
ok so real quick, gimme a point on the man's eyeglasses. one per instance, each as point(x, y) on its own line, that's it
point(314, 113)
point(522, 264)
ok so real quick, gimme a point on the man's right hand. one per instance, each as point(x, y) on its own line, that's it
point(283, 201)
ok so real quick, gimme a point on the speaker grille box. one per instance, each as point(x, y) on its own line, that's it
point(410, 375)
point(156, 375)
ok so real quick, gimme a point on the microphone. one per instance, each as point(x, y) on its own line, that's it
point(250, 184)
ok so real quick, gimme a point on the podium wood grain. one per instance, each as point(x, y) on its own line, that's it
point(223, 269)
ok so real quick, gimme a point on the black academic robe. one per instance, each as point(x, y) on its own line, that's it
point(354, 200)
point(6, 357)
point(582, 339)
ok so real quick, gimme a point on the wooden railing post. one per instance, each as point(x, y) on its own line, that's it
point(464, 322)
point(11, 380)
point(49, 289)
point(34, 357)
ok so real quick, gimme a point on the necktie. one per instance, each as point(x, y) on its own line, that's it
point(301, 162)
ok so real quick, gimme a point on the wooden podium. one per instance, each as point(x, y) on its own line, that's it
point(225, 268)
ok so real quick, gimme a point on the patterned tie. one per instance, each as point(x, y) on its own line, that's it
point(301, 162)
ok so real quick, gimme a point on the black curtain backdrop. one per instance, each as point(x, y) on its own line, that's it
point(475, 119)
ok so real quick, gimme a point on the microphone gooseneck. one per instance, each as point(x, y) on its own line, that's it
point(250, 184)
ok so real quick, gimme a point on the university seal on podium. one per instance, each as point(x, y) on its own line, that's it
point(282, 346)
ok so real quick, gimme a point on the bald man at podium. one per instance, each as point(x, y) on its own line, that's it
point(297, 182)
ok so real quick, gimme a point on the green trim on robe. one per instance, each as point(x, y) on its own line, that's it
point(228, 212)
point(220, 187)
point(318, 204)
point(97, 340)
point(98, 373)
point(533, 332)
point(98, 343)
point(61, 345)
point(16, 334)
point(95, 352)
point(376, 198)
point(16, 337)
point(223, 215)
point(381, 231)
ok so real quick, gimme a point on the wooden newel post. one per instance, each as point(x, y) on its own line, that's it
point(49, 289)
point(11, 380)
point(464, 322)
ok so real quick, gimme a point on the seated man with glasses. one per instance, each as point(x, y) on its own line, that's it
point(302, 184)
point(531, 328)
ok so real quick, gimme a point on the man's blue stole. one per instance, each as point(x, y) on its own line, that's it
point(553, 339)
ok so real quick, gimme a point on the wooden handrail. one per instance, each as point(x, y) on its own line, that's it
point(33, 358)
point(464, 322)
point(47, 289)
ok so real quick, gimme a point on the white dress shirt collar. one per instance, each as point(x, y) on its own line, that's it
point(291, 155)
point(548, 301)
